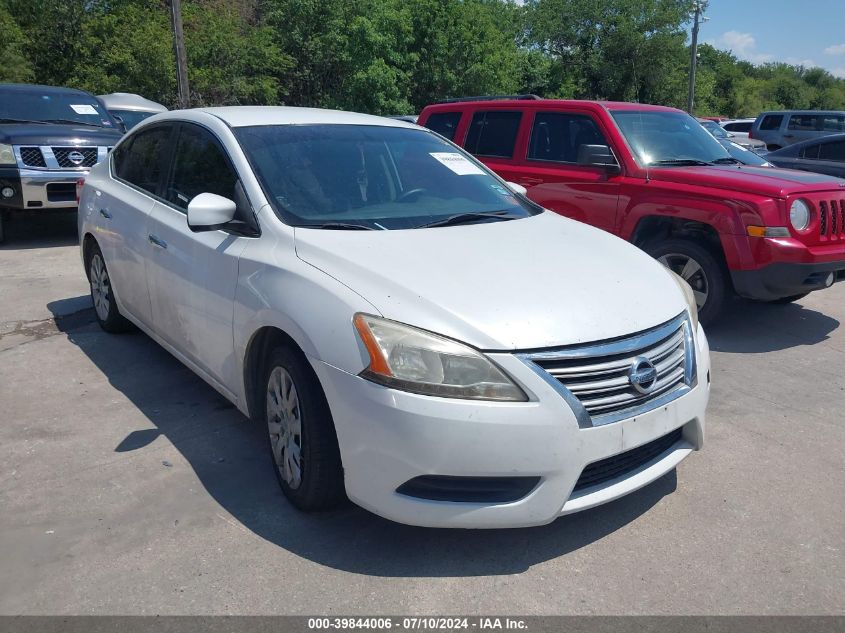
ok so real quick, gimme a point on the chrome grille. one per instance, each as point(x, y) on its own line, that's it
point(89, 156)
point(596, 379)
point(32, 157)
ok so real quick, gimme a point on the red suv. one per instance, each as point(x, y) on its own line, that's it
point(652, 175)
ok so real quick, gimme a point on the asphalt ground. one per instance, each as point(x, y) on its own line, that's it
point(129, 486)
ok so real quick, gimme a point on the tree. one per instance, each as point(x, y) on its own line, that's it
point(15, 65)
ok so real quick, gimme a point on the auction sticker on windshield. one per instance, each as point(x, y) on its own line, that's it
point(83, 109)
point(457, 163)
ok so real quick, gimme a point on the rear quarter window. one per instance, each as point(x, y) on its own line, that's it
point(444, 123)
point(493, 133)
point(771, 122)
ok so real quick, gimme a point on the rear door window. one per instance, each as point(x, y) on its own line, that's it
point(142, 161)
point(771, 122)
point(810, 152)
point(803, 122)
point(493, 133)
point(833, 123)
point(444, 123)
point(557, 137)
point(832, 151)
point(199, 166)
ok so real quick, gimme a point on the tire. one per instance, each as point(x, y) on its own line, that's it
point(102, 294)
point(307, 465)
point(701, 268)
point(783, 300)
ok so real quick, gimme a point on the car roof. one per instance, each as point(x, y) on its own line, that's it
point(554, 103)
point(819, 140)
point(130, 101)
point(243, 116)
point(801, 112)
point(40, 88)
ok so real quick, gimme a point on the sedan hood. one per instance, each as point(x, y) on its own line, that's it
point(537, 282)
point(56, 134)
point(774, 183)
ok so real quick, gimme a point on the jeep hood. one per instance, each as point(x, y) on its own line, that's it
point(765, 181)
point(537, 282)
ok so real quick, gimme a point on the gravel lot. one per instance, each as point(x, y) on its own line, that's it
point(128, 486)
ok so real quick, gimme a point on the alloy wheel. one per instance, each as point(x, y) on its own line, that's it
point(690, 271)
point(100, 287)
point(284, 424)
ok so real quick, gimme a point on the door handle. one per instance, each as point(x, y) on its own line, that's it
point(105, 214)
point(157, 241)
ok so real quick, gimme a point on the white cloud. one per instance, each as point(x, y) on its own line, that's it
point(836, 49)
point(838, 72)
point(743, 45)
point(798, 61)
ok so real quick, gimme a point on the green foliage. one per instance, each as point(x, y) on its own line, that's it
point(394, 56)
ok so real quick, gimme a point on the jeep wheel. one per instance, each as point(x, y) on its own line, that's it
point(301, 433)
point(701, 269)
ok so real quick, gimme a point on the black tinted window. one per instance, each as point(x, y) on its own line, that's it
point(833, 123)
point(811, 152)
point(832, 151)
point(803, 122)
point(199, 166)
point(140, 162)
point(493, 133)
point(771, 122)
point(738, 127)
point(557, 137)
point(444, 123)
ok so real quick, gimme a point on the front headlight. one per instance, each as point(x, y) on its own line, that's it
point(799, 215)
point(689, 295)
point(403, 357)
point(7, 156)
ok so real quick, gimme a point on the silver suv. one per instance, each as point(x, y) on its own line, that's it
point(779, 129)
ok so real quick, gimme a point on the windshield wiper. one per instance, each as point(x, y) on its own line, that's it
point(340, 226)
point(681, 162)
point(468, 218)
point(5, 120)
point(71, 121)
point(727, 160)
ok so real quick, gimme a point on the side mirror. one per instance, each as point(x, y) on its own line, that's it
point(598, 156)
point(209, 212)
point(120, 122)
point(517, 188)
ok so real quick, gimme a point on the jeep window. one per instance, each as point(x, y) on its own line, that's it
point(557, 136)
point(834, 150)
point(373, 177)
point(493, 133)
point(141, 162)
point(199, 166)
point(771, 122)
point(444, 123)
point(54, 106)
point(669, 138)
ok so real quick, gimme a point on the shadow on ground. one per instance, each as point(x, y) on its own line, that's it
point(44, 229)
point(754, 327)
point(230, 458)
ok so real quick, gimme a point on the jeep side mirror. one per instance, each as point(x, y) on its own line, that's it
point(209, 212)
point(598, 156)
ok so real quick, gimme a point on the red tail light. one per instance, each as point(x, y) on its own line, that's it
point(750, 134)
point(79, 184)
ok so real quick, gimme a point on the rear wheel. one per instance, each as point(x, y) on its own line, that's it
point(301, 433)
point(701, 269)
point(102, 294)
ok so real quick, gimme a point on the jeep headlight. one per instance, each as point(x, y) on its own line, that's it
point(689, 295)
point(7, 156)
point(410, 359)
point(799, 215)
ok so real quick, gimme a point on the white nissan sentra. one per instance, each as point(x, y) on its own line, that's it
point(413, 333)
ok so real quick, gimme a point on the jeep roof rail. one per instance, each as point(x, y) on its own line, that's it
point(491, 98)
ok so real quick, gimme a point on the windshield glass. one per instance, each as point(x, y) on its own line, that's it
point(131, 118)
point(668, 138)
point(746, 156)
point(54, 106)
point(715, 129)
point(361, 176)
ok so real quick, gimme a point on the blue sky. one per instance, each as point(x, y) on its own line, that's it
point(808, 32)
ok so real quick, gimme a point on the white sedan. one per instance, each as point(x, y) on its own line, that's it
point(413, 332)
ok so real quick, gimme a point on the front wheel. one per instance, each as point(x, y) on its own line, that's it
point(303, 443)
point(701, 269)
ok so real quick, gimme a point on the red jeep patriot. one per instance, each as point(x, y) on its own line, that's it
point(652, 175)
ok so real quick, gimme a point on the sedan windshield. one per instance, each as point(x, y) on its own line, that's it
point(669, 138)
point(715, 129)
point(51, 106)
point(374, 177)
point(131, 118)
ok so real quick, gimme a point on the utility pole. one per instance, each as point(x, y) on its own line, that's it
point(700, 5)
point(179, 51)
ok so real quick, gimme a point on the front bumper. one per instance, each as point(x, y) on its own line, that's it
point(390, 437)
point(780, 280)
point(40, 189)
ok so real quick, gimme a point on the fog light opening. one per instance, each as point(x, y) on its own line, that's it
point(7, 192)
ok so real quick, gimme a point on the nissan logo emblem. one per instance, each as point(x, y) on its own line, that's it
point(75, 157)
point(642, 375)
